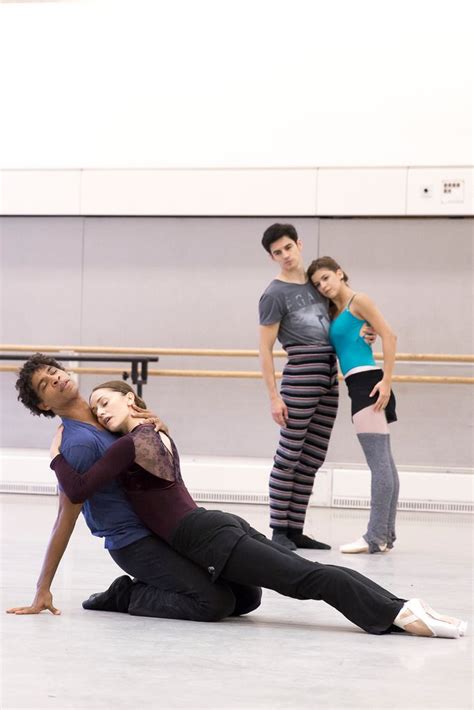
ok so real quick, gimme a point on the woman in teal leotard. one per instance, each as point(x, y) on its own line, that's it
point(369, 387)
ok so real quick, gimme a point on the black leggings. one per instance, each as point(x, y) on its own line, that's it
point(257, 561)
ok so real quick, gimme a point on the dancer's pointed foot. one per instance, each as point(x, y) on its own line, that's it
point(462, 625)
point(417, 618)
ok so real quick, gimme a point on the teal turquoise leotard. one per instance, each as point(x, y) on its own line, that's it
point(352, 350)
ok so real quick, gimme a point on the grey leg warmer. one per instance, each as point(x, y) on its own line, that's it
point(393, 503)
point(376, 448)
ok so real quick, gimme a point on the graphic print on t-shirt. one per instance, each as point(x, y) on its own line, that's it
point(300, 310)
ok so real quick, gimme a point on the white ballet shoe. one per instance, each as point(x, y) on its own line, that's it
point(462, 625)
point(359, 545)
point(434, 622)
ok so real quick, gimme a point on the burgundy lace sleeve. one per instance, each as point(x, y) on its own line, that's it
point(152, 454)
point(80, 486)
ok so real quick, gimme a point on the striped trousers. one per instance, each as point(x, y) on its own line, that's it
point(309, 389)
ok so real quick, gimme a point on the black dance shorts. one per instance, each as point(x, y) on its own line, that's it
point(360, 385)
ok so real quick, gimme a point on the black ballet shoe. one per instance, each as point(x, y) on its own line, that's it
point(307, 543)
point(115, 598)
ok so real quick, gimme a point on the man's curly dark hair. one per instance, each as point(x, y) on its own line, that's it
point(26, 393)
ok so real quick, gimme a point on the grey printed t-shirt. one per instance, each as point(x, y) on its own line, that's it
point(301, 311)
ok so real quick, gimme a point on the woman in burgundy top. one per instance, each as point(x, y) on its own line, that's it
point(147, 465)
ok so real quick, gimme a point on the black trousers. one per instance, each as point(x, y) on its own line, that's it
point(169, 586)
point(257, 561)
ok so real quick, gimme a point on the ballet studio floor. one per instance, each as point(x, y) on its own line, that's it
point(287, 654)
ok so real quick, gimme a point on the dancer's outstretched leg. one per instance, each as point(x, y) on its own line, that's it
point(359, 599)
point(256, 535)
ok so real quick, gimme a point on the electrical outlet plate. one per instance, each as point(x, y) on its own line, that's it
point(452, 191)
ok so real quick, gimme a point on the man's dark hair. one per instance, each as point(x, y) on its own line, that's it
point(276, 232)
point(26, 393)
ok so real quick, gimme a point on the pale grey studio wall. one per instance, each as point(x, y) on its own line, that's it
point(145, 282)
point(195, 282)
point(40, 297)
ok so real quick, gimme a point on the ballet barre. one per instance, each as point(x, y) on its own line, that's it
point(216, 352)
point(146, 354)
point(243, 374)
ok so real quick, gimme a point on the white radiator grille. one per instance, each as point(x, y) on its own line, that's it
point(216, 496)
point(229, 497)
point(428, 506)
point(42, 489)
point(213, 496)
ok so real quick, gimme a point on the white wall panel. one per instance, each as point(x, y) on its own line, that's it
point(235, 479)
point(454, 485)
point(199, 192)
point(40, 192)
point(314, 191)
point(361, 191)
point(440, 191)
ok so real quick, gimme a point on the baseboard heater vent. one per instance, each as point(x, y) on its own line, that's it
point(213, 496)
point(42, 489)
point(229, 497)
point(426, 506)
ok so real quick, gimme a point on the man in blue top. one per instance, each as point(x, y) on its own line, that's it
point(165, 584)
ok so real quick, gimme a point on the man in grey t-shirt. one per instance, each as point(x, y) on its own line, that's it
point(305, 408)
